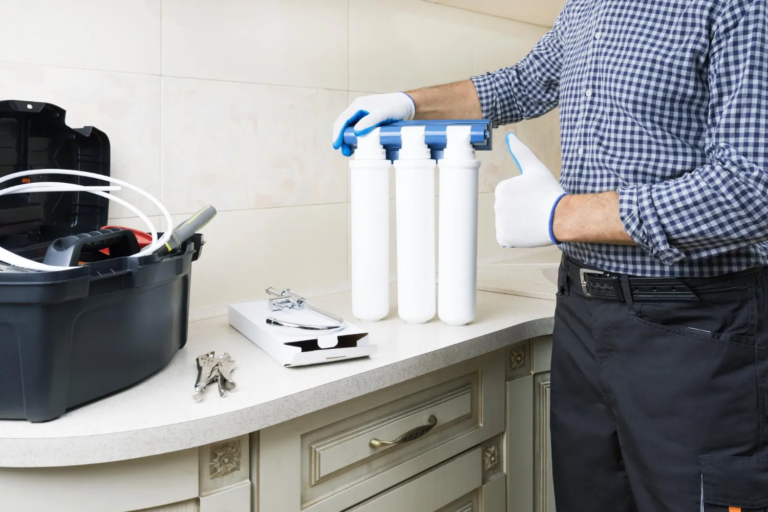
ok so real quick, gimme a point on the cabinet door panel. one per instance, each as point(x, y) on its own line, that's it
point(326, 461)
point(467, 503)
point(112, 487)
point(433, 490)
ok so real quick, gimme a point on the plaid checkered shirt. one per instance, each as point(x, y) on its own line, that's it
point(666, 102)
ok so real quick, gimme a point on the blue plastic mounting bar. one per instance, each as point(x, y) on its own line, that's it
point(481, 135)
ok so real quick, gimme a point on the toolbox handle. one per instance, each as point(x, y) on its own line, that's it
point(66, 252)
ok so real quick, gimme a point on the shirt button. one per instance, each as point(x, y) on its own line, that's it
point(581, 151)
point(588, 93)
point(598, 35)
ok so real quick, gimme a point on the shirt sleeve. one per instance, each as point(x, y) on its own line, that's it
point(529, 89)
point(722, 206)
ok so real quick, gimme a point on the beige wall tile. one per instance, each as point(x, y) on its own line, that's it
point(284, 42)
point(113, 35)
point(136, 223)
point(540, 12)
point(126, 106)
point(241, 146)
point(501, 43)
point(403, 44)
point(246, 251)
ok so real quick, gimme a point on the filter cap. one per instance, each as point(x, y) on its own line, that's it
point(369, 147)
point(458, 143)
point(414, 145)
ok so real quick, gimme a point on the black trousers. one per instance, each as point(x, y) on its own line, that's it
point(661, 406)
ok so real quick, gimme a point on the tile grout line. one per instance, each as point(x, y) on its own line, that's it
point(161, 75)
point(349, 183)
point(221, 80)
point(349, 46)
point(235, 210)
point(474, 34)
point(160, 96)
point(75, 68)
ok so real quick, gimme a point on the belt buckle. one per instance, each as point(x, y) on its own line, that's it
point(583, 272)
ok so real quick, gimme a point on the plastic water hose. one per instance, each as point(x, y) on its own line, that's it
point(22, 262)
point(163, 210)
point(19, 261)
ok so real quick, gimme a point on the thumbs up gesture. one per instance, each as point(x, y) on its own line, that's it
point(525, 205)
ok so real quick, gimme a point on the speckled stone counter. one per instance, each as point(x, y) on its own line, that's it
point(159, 416)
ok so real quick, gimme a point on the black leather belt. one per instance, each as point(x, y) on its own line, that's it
point(598, 284)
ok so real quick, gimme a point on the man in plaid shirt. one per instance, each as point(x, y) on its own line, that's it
point(660, 360)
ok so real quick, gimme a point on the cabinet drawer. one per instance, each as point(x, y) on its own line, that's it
point(333, 460)
point(450, 487)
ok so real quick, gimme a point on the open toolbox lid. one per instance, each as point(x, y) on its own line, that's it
point(34, 135)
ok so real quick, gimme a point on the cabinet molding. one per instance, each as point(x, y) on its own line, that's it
point(223, 465)
point(518, 358)
point(232, 499)
point(543, 487)
point(541, 354)
point(520, 436)
point(494, 495)
point(493, 458)
point(224, 459)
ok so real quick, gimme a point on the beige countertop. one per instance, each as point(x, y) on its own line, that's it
point(159, 416)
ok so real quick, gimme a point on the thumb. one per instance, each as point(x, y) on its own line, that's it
point(524, 158)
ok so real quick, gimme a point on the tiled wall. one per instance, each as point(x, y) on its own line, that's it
point(231, 102)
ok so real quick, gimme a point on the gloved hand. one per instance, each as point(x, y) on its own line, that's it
point(368, 112)
point(525, 205)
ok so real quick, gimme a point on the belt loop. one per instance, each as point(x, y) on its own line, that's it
point(626, 290)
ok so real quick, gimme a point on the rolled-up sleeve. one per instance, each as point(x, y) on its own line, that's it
point(722, 206)
point(528, 89)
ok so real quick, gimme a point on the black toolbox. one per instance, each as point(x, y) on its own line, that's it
point(71, 337)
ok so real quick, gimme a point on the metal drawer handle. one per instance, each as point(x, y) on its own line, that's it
point(409, 436)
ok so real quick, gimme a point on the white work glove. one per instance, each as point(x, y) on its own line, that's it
point(368, 112)
point(525, 205)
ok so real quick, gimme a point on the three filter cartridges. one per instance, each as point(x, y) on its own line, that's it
point(424, 257)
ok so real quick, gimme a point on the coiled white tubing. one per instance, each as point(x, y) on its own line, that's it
point(19, 261)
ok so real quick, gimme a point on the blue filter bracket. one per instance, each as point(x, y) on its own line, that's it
point(481, 136)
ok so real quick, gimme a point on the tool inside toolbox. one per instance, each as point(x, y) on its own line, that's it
point(34, 135)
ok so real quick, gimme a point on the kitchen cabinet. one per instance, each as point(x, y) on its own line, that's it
point(529, 448)
point(472, 437)
point(462, 397)
point(542, 12)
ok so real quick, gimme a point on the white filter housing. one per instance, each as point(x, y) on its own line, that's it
point(415, 209)
point(369, 183)
point(457, 290)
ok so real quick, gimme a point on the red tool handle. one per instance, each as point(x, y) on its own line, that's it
point(142, 237)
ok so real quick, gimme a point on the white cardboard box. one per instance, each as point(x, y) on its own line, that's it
point(294, 347)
